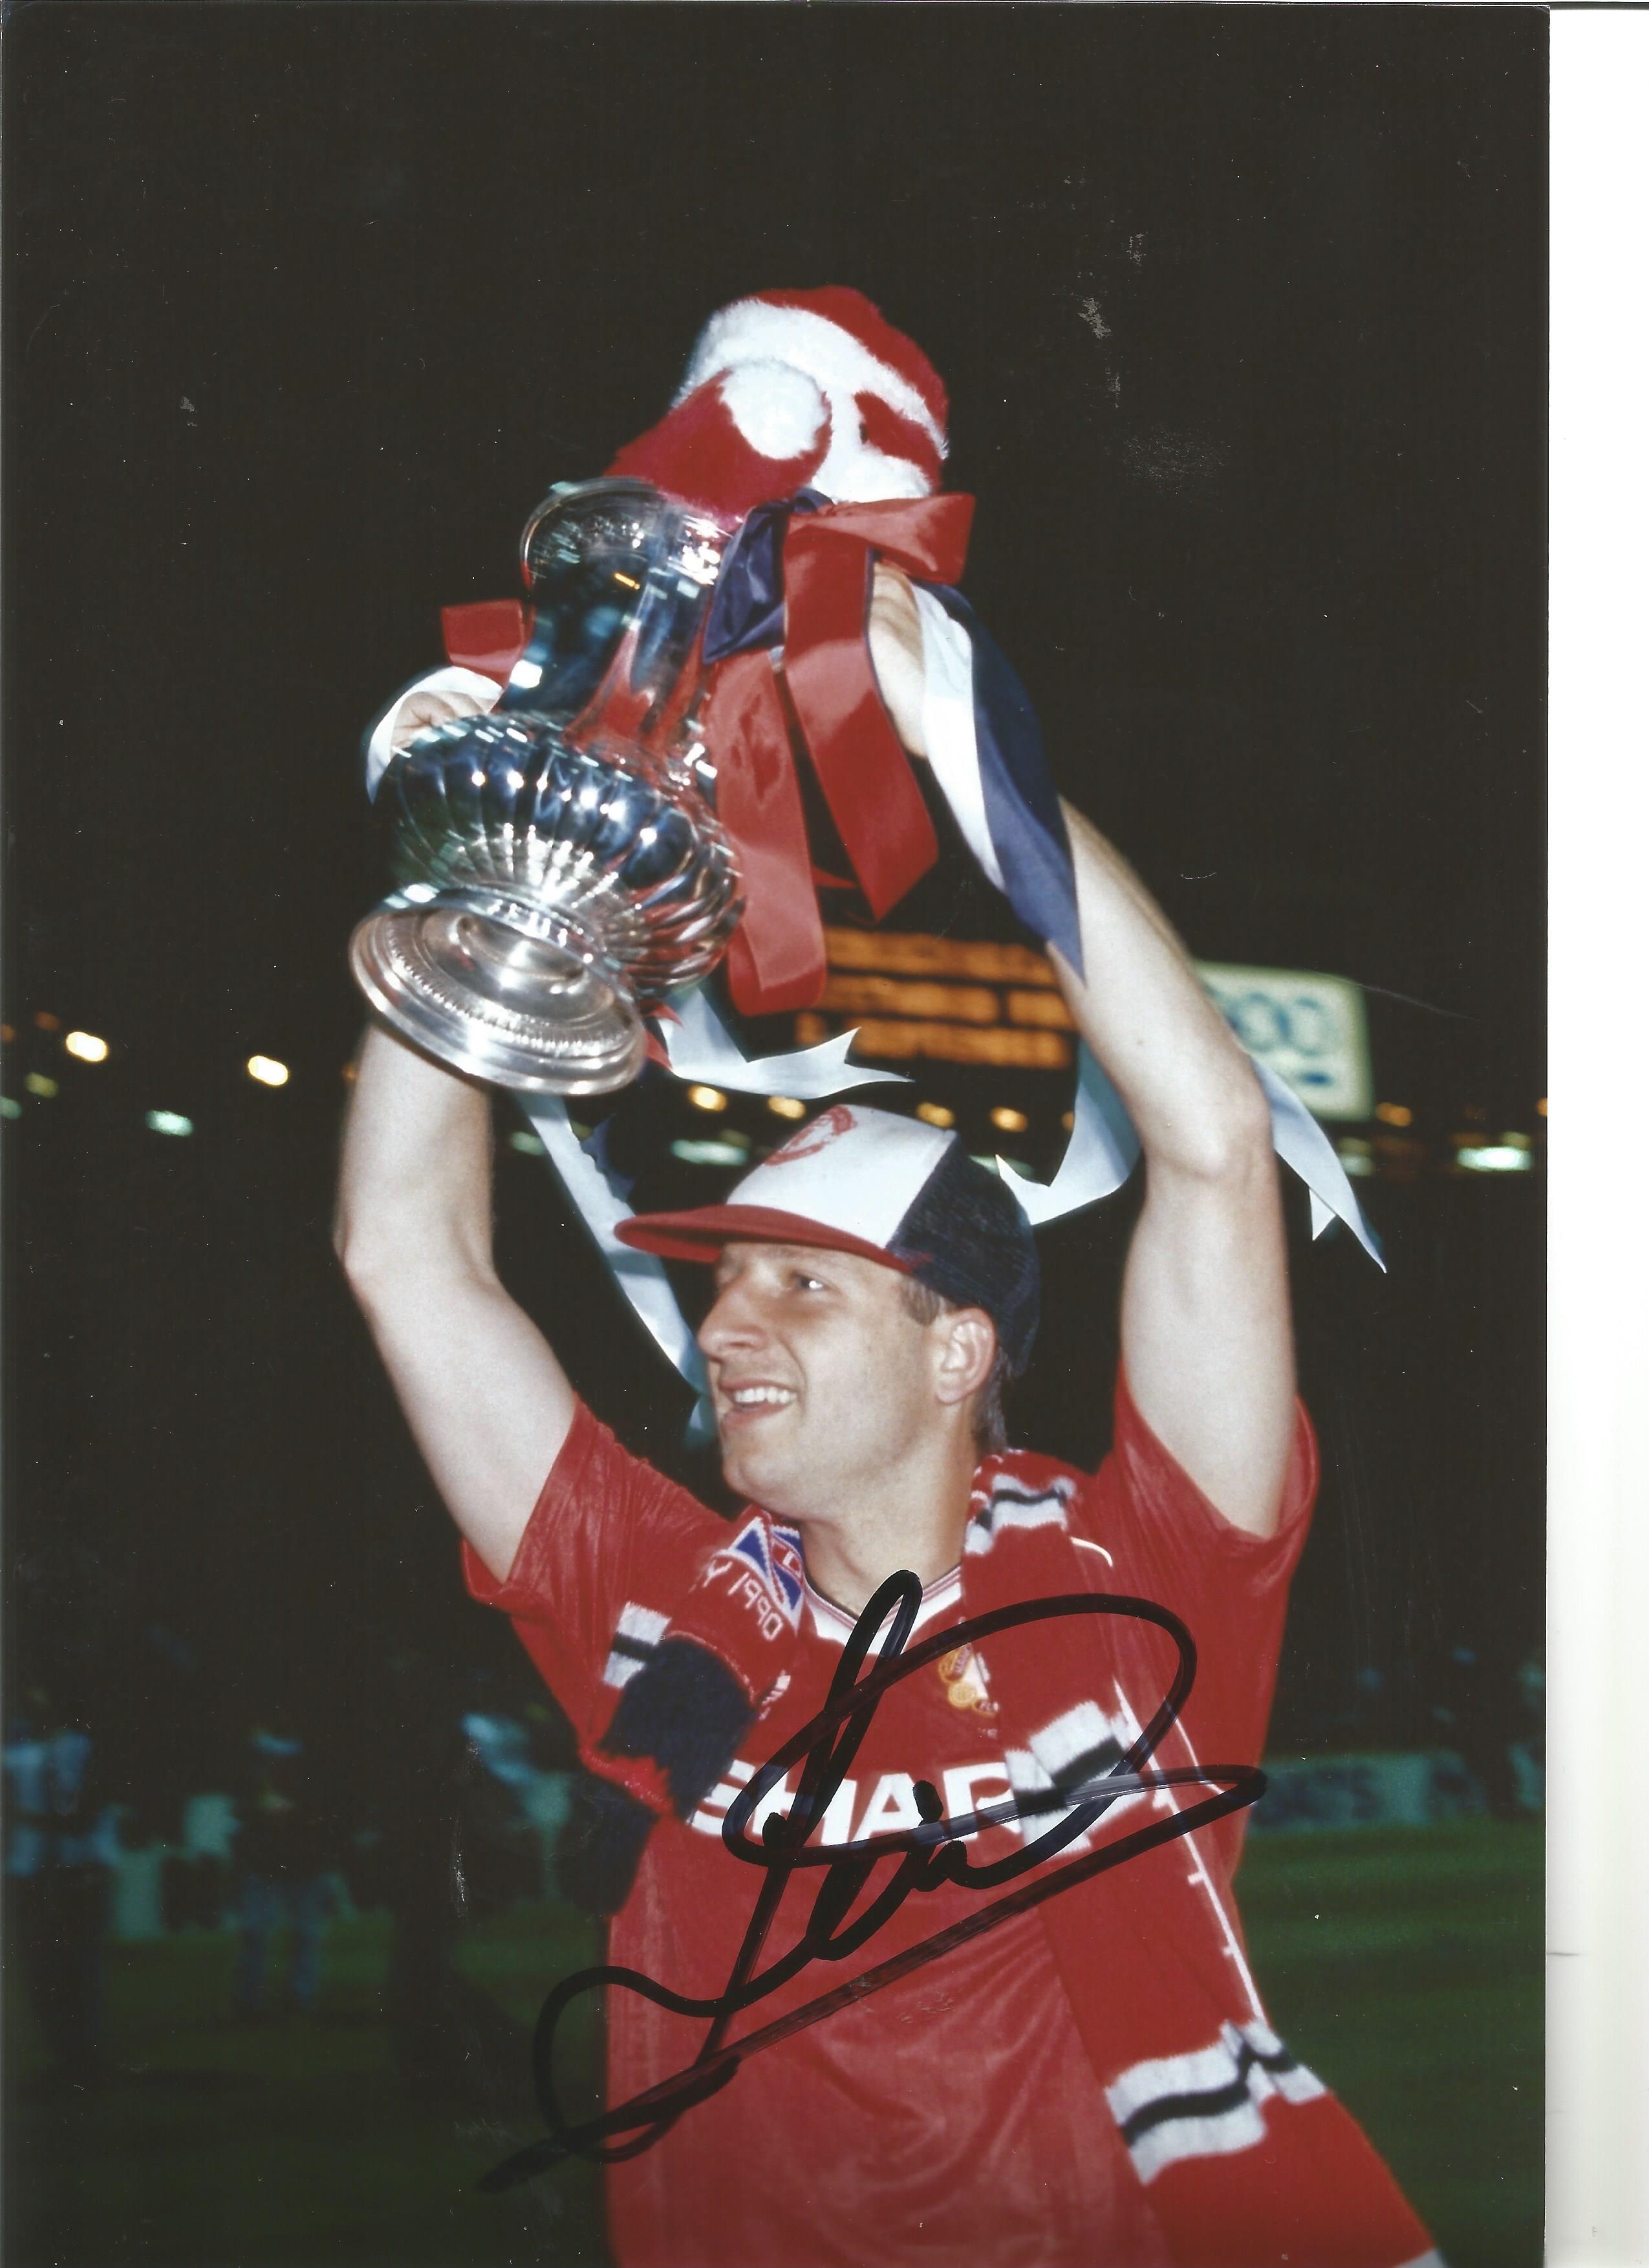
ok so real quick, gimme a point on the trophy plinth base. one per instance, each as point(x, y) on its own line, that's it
point(502, 991)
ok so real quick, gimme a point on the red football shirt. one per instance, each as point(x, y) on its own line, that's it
point(954, 2116)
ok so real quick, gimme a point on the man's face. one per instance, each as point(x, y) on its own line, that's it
point(820, 1376)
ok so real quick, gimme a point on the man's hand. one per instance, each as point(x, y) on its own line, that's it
point(895, 632)
point(489, 1405)
point(427, 707)
point(1207, 1340)
point(449, 693)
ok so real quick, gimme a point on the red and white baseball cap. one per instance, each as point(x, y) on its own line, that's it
point(792, 389)
point(891, 1189)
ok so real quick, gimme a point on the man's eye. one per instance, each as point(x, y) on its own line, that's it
point(800, 1281)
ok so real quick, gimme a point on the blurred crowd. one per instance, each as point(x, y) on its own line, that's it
point(455, 1822)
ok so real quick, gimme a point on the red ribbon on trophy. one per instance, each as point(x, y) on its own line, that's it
point(822, 561)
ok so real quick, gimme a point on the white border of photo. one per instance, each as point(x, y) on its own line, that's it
point(1598, 1956)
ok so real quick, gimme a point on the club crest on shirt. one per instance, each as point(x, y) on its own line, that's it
point(963, 1675)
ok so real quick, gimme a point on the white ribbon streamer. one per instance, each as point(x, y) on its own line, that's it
point(1104, 1147)
point(640, 1275)
point(1099, 1157)
point(1301, 1141)
point(699, 1046)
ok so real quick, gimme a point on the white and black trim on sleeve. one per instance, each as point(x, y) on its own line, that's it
point(634, 1642)
point(1206, 2105)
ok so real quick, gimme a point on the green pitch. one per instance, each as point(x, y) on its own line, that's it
point(1407, 1967)
point(1403, 1966)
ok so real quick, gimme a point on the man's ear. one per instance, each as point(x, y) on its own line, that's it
point(968, 1347)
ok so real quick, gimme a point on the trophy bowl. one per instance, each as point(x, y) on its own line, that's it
point(559, 862)
point(550, 896)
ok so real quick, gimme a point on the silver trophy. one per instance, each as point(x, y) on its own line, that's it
point(559, 862)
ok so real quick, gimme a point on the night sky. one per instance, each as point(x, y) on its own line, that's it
point(1242, 312)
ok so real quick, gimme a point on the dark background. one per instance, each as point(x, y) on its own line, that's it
point(1242, 314)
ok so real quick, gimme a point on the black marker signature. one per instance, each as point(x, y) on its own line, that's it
point(930, 1855)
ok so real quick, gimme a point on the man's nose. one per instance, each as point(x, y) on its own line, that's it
point(734, 1322)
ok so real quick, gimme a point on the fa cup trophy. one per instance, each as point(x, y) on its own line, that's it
point(559, 861)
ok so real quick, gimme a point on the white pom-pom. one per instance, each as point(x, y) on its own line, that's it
point(777, 408)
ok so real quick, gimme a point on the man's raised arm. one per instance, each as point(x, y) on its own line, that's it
point(1207, 1338)
point(489, 1405)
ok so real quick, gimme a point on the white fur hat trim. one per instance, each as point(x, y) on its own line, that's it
point(776, 407)
point(751, 331)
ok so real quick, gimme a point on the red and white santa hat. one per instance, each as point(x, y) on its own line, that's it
point(793, 389)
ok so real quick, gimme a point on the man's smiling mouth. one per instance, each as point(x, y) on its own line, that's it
point(747, 1400)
